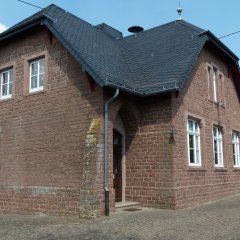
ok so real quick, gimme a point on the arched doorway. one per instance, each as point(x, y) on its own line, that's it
point(119, 169)
point(125, 127)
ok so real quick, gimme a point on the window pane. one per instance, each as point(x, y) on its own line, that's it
point(197, 142)
point(235, 138)
point(219, 134)
point(41, 80)
point(220, 159)
point(4, 90)
point(190, 141)
point(190, 125)
point(42, 66)
point(215, 132)
point(197, 156)
point(10, 88)
point(196, 127)
point(215, 146)
point(34, 82)
point(234, 160)
point(10, 76)
point(34, 68)
point(216, 158)
point(191, 153)
point(5, 77)
point(215, 152)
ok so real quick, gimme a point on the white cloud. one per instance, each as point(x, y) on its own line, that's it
point(2, 27)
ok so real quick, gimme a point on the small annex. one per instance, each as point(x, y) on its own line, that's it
point(91, 120)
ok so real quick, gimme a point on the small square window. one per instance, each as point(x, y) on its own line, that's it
point(37, 75)
point(6, 83)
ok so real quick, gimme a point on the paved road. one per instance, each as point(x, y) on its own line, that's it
point(218, 220)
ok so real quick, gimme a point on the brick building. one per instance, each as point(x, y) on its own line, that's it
point(169, 138)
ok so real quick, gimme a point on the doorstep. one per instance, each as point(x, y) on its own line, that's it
point(121, 206)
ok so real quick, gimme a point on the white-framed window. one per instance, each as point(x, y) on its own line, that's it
point(6, 83)
point(218, 147)
point(37, 75)
point(235, 144)
point(193, 138)
point(214, 84)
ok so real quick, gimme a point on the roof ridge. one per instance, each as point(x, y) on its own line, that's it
point(147, 30)
point(183, 22)
point(191, 26)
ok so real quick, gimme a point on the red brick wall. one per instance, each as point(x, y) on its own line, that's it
point(47, 145)
point(197, 185)
point(149, 158)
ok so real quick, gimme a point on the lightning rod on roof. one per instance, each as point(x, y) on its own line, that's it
point(179, 10)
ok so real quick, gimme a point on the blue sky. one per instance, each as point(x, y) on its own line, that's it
point(219, 16)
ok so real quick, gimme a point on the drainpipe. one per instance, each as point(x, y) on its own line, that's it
point(106, 191)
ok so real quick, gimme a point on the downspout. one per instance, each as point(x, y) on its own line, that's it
point(106, 190)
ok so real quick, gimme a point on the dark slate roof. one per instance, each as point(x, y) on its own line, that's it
point(153, 61)
point(160, 59)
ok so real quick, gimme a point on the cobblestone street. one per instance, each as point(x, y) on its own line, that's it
point(218, 220)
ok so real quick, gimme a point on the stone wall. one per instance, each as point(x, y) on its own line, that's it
point(196, 185)
point(50, 141)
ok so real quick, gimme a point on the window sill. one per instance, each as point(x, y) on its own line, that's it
point(220, 169)
point(5, 99)
point(36, 91)
point(196, 169)
point(33, 90)
point(236, 169)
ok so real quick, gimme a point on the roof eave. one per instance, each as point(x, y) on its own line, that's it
point(18, 30)
point(141, 93)
point(23, 27)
